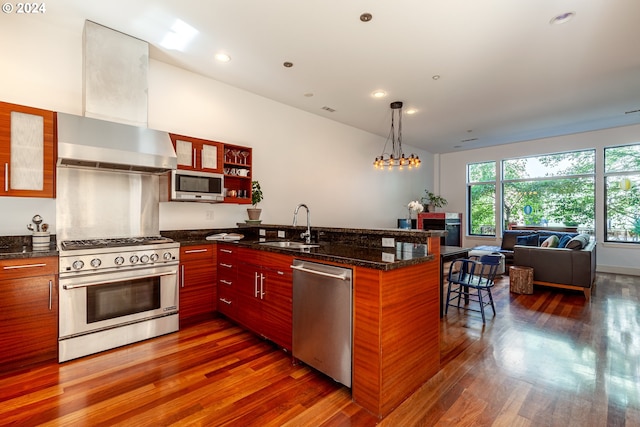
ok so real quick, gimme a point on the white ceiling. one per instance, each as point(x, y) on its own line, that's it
point(506, 74)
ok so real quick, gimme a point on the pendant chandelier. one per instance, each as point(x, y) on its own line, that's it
point(396, 158)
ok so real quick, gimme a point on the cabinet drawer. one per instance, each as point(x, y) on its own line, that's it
point(196, 252)
point(227, 301)
point(28, 267)
point(227, 278)
point(227, 253)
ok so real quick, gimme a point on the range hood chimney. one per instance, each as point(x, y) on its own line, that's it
point(92, 143)
point(113, 132)
point(114, 76)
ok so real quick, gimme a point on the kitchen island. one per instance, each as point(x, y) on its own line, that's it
point(395, 304)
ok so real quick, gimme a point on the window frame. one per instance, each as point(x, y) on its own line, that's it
point(471, 184)
point(605, 181)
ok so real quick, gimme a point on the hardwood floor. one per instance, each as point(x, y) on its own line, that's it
point(547, 359)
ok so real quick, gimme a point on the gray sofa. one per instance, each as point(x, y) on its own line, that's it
point(560, 267)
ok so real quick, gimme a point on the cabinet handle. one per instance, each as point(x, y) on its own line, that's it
point(225, 265)
point(255, 285)
point(14, 267)
point(225, 301)
point(226, 282)
point(182, 276)
point(194, 157)
point(280, 273)
point(195, 251)
point(261, 286)
point(6, 177)
point(226, 251)
point(50, 294)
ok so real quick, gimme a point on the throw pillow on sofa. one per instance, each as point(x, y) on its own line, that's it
point(528, 240)
point(578, 242)
point(550, 242)
point(564, 240)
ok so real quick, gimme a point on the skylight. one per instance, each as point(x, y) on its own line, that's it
point(179, 37)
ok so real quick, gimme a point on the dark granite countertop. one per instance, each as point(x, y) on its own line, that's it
point(351, 253)
point(15, 247)
point(403, 255)
point(356, 247)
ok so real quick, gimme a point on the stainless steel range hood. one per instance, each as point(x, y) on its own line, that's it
point(92, 143)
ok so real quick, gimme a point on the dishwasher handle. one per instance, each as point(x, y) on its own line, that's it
point(320, 273)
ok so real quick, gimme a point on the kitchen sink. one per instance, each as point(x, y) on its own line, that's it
point(287, 244)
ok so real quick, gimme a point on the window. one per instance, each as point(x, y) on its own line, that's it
point(481, 191)
point(550, 190)
point(622, 195)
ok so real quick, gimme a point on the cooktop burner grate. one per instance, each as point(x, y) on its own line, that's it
point(69, 245)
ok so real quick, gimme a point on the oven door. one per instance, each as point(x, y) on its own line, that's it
point(103, 301)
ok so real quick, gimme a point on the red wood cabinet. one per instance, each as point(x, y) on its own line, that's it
point(197, 281)
point(234, 161)
point(28, 151)
point(237, 173)
point(265, 294)
point(198, 154)
point(28, 311)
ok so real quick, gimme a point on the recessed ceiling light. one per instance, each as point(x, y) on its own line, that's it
point(379, 94)
point(222, 57)
point(436, 77)
point(411, 111)
point(366, 17)
point(287, 64)
point(562, 18)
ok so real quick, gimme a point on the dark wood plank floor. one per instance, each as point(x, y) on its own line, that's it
point(548, 359)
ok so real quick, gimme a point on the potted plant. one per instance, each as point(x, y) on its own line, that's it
point(256, 197)
point(430, 199)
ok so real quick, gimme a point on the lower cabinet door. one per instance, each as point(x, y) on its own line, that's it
point(249, 309)
point(277, 307)
point(197, 291)
point(28, 321)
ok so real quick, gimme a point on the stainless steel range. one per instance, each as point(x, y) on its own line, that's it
point(116, 291)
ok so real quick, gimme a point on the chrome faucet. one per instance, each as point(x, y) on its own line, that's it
point(307, 234)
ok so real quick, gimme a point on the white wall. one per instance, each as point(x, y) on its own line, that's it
point(611, 257)
point(298, 157)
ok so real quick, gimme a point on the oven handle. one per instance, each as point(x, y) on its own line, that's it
point(86, 285)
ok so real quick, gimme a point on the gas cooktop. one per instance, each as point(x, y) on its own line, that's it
point(70, 245)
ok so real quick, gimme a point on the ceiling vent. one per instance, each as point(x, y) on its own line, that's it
point(329, 109)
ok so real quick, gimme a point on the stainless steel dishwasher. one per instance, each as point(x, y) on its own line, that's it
point(322, 318)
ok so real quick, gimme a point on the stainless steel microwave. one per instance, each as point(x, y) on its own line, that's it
point(194, 186)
